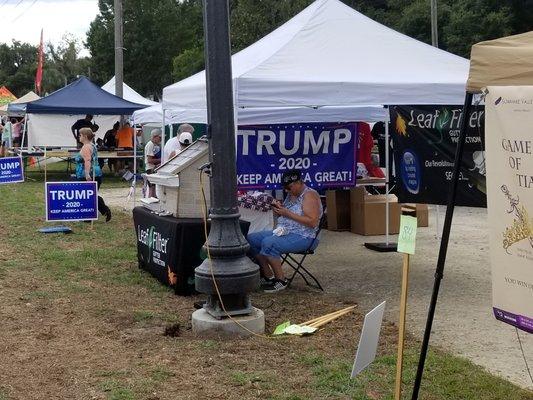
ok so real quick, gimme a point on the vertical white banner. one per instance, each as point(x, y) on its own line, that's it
point(509, 158)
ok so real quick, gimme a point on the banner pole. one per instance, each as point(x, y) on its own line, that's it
point(94, 177)
point(401, 332)
point(437, 214)
point(444, 243)
point(45, 170)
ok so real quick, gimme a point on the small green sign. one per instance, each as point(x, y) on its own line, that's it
point(407, 236)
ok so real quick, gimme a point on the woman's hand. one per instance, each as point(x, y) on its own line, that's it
point(88, 178)
point(280, 210)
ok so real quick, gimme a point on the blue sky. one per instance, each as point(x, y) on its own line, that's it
point(23, 19)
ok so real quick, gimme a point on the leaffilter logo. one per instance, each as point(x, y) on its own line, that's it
point(498, 101)
point(150, 241)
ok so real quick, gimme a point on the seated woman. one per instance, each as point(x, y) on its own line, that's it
point(299, 217)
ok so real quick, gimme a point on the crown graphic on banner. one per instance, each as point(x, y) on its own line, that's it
point(522, 227)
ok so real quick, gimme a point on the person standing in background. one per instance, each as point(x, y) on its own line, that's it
point(152, 151)
point(82, 123)
point(152, 157)
point(110, 137)
point(87, 168)
point(16, 131)
point(109, 143)
point(125, 141)
point(7, 140)
point(125, 136)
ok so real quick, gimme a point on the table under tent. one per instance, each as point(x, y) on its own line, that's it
point(363, 67)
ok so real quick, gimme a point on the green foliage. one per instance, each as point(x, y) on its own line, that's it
point(18, 64)
point(155, 31)
point(163, 39)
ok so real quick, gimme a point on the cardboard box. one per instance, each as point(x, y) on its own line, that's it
point(422, 213)
point(338, 210)
point(368, 213)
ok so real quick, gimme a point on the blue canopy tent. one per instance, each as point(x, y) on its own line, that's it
point(59, 110)
point(82, 97)
point(51, 117)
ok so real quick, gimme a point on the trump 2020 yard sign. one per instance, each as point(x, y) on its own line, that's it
point(11, 170)
point(71, 201)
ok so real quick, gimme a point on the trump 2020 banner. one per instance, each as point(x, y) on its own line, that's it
point(71, 201)
point(509, 125)
point(324, 152)
point(11, 170)
point(425, 139)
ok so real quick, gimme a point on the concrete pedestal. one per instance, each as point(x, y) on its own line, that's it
point(204, 323)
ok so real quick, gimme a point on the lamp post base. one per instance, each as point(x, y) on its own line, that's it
point(382, 247)
point(204, 323)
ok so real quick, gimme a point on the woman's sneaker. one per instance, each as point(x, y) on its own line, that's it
point(276, 285)
point(265, 282)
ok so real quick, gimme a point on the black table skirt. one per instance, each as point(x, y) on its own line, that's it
point(169, 248)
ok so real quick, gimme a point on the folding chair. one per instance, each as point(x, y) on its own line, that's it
point(291, 259)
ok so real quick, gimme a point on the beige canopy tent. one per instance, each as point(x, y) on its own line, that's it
point(30, 96)
point(506, 61)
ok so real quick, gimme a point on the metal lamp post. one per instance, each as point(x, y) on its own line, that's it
point(236, 276)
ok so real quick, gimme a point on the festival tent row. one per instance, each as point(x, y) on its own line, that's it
point(17, 108)
point(361, 63)
point(51, 117)
point(128, 93)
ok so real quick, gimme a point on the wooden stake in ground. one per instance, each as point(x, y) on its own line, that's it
point(401, 333)
point(406, 245)
point(324, 319)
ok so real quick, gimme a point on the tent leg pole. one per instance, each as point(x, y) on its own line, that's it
point(24, 131)
point(134, 161)
point(443, 244)
point(387, 211)
point(163, 138)
point(387, 246)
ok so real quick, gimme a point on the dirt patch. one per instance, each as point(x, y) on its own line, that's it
point(115, 339)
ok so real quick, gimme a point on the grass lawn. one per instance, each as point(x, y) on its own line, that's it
point(79, 320)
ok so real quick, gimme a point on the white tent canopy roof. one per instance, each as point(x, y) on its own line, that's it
point(256, 116)
point(128, 93)
point(332, 55)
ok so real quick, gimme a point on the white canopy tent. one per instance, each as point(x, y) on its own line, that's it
point(329, 58)
point(128, 93)
point(331, 55)
point(266, 115)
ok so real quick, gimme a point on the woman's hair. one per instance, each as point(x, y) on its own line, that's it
point(87, 132)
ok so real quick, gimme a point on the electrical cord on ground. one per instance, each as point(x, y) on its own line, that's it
point(204, 209)
point(524, 355)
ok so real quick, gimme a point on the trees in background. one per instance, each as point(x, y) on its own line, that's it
point(163, 39)
point(18, 63)
point(62, 64)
